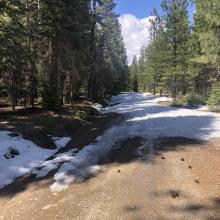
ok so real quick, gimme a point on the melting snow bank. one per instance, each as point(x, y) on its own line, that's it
point(144, 118)
point(68, 174)
point(27, 158)
point(54, 163)
point(203, 108)
point(61, 142)
point(162, 99)
point(19, 156)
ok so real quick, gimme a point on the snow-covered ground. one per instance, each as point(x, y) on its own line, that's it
point(145, 118)
point(19, 156)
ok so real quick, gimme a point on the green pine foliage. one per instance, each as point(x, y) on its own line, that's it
point(58, 51)
point(214, 99)
point(207, 19)
point(53, 52)
point(182, 58)
point(191, 99)
point(134, 75)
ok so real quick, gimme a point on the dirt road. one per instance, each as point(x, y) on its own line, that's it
point(180, 181)
point(149, 178)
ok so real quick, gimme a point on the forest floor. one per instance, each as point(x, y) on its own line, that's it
point(165, 177)
point(80, 121)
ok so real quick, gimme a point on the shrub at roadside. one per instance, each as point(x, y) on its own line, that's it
point(190, 99)
point(214, 99)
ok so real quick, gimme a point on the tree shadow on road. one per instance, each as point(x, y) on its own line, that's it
point(191, 208)
point(133, 149)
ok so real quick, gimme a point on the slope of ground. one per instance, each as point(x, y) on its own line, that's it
point(36, 123)
point(157, 162)
point(131, 186)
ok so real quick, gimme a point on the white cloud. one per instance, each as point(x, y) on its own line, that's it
point(135, 32)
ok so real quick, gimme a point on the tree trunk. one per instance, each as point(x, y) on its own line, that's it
point(154, 88)
point(91, 80)
point(184, 84)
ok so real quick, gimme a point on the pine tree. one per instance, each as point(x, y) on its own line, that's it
point(153, 58)
point(144, 79)
point(134, 75)
point(207, 18)
point(205, 44)
point(214, 99)
point(55, 51)
point(180, 60)
point(157, 53)
point(110, 64)
point(12, 50)
point(177, 37)
point(31, 24)
point(64, 28)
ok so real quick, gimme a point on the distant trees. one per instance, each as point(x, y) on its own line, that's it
point(182, 57)
point(53, 51)
point(134, 75)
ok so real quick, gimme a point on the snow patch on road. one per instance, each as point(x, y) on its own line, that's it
point(203, 108)
point(69, 173)
point(50, 165)
point(144, 118)
point(161, 99)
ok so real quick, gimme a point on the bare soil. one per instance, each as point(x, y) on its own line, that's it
point(179, 179)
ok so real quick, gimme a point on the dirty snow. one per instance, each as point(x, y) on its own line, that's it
point(142, 117)
point(61, 142)
point(145, 118)
point(53, 164)
point(27, 158)
point(162, 99)
point(203, 108)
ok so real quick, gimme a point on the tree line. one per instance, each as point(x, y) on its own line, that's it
point(52, 52)
point(182, 58)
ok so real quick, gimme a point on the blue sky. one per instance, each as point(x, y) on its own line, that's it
point(139, 8)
